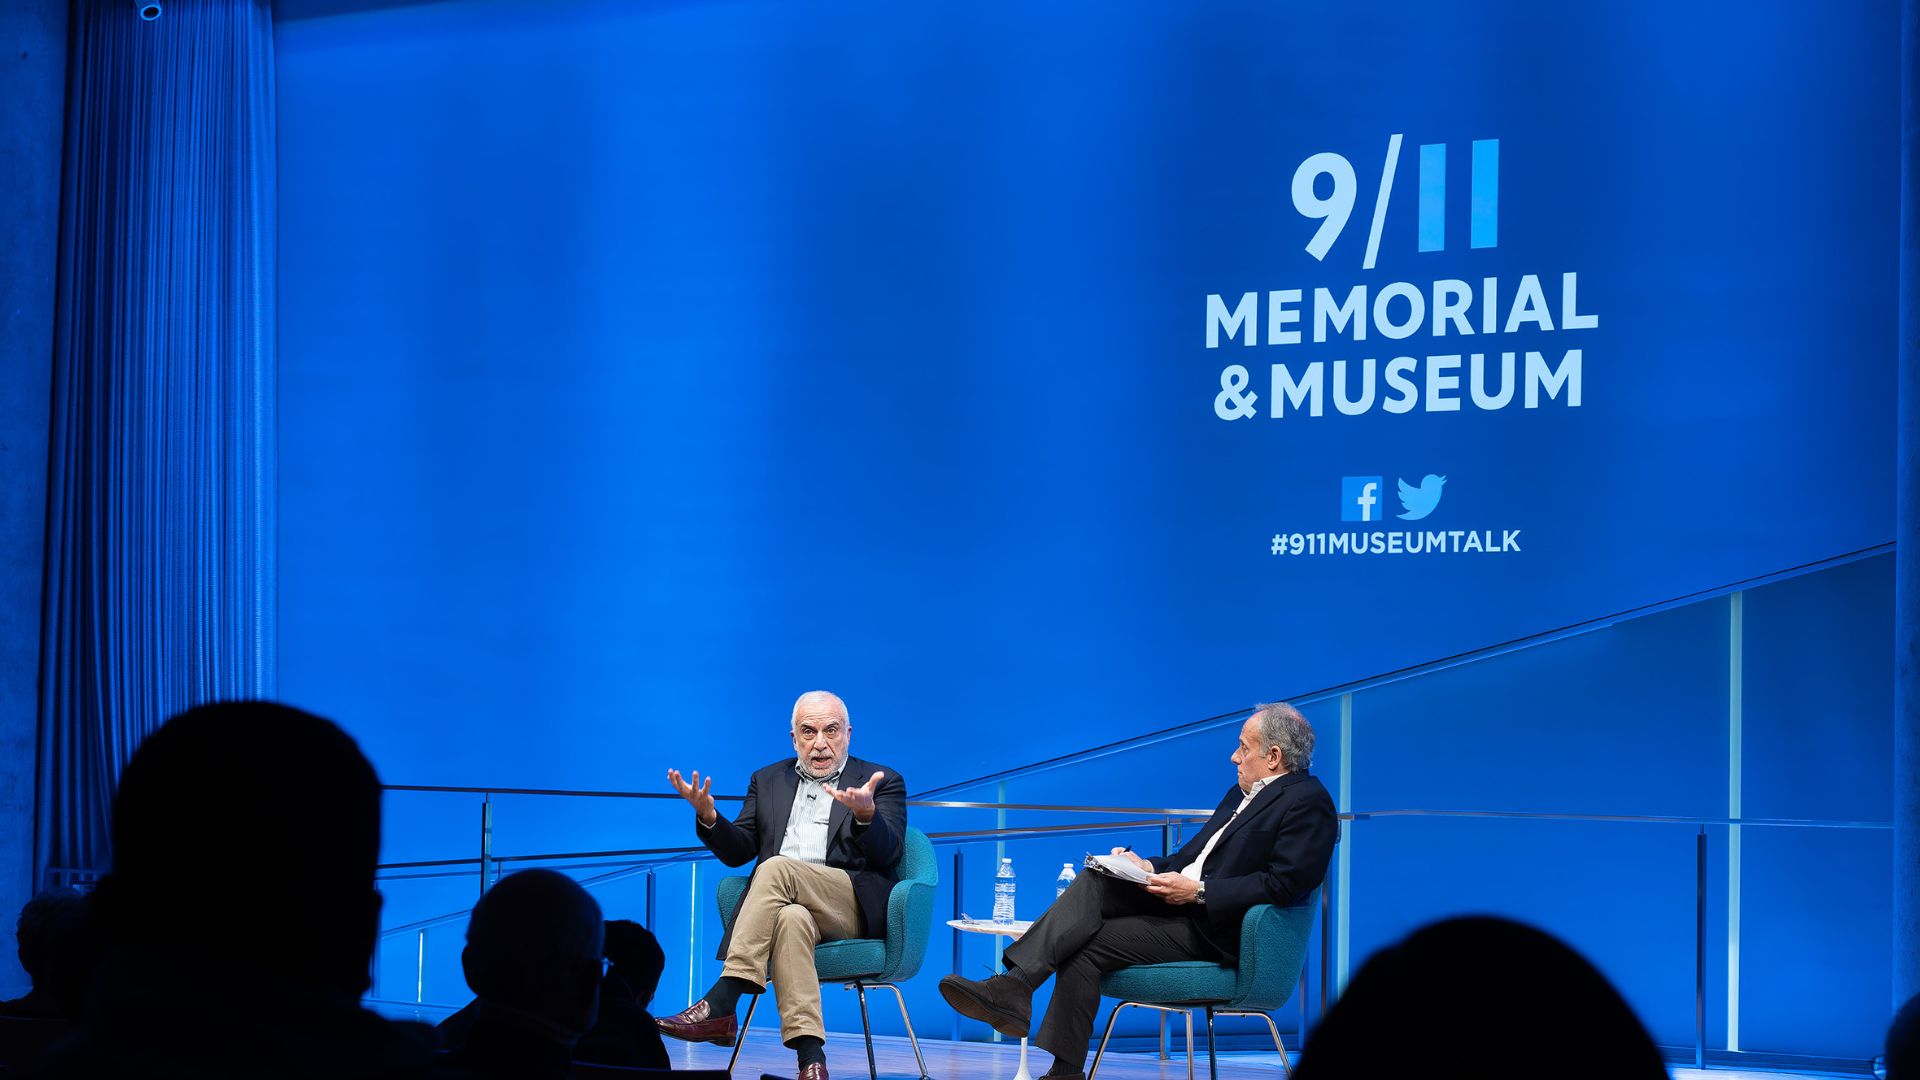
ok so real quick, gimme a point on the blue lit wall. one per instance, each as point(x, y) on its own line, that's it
point(645, 364)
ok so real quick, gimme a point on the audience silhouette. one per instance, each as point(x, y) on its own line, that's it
point(1902, 1058)
point(533, 960)
point(1484, 998)
point(240, 912)
point(57, 950)
point(625, 1033)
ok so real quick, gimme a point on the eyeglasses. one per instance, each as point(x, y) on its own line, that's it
point(807, 732)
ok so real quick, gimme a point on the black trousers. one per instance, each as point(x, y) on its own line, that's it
point(1099, 924)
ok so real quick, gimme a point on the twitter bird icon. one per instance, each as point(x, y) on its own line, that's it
point(1420, 501)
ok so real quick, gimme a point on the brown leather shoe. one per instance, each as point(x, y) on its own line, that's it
point(694, 1024)
point(815, 1071)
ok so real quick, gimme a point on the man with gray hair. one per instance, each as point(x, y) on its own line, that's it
point(827, 829)
point(1268, 842)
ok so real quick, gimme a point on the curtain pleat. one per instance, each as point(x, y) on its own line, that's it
point(159, 586)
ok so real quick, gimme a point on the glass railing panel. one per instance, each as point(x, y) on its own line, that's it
point(408, 966)
point(1628, 720)
point(1624, 895)
point(429, 825)
point(1815, 932)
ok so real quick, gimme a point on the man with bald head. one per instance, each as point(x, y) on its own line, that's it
point(826, 829)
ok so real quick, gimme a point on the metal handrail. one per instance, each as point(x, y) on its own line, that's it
point(699, 854)
point(1164, 811)
point(1644, 819)
point(668, 795)
point(1169, 816)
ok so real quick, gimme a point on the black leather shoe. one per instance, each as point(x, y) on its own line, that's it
point(1002, 1002)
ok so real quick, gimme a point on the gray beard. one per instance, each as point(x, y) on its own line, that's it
point(800, 767)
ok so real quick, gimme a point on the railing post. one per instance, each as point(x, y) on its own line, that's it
point(1700, 949)
point(420, 969)
point(650, 895)
point(486, 841)
point(959, 870)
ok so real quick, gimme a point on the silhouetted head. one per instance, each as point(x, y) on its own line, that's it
point(58, 945)
point(1485, 998)
point(636, 956)
point(46, 923)
point(251, 830)
point(533, 945)
point(1903, 1042)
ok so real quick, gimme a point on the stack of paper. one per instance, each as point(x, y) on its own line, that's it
point(1117, 866)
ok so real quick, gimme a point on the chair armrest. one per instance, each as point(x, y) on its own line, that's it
point(732, 889)
point(909, 925)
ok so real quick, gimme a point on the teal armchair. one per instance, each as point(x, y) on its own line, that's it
point(863, 964)
point(1273, 952)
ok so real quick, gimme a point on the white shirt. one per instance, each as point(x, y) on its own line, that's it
point(1194, 868)
point(806, 837)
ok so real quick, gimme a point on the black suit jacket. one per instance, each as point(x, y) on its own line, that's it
point(868, 853)
point(1275, 852)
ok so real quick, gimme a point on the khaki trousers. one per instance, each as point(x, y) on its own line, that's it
point(791, 907)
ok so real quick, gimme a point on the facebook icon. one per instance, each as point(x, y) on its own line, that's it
point(1360, 498)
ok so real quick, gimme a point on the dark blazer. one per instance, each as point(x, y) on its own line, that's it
point(1276, 852)
point(868, 853)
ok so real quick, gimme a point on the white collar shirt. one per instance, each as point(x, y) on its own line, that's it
point(1195, 868)
point(806, 837)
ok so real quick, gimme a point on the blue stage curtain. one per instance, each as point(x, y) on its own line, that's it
point(1906, 586)
point(160, 573)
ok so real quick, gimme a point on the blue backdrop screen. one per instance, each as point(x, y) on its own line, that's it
point(1037, 377)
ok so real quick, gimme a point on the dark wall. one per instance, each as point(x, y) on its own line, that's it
point(33, 64)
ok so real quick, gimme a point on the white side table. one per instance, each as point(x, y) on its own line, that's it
point(1004, 929)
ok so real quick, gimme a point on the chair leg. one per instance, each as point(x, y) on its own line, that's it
point(1163, 1010)
point(740, 1040)
point(1101, 1052)
point(1213, 1063)
point(1278, 1046)
point(905, 1019)
point(1188, 1013)
point(866, 1031)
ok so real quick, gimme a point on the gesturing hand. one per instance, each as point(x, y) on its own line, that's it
point(1173, 888)
point(698, 793)
point(859, 799)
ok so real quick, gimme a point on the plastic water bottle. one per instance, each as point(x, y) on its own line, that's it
point(1003, 892)
point(1065, 879)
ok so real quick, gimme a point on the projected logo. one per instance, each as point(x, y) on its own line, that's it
point(1436, 356)
point(1336, 209)
point(1418, 502)
point(1360, 499)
